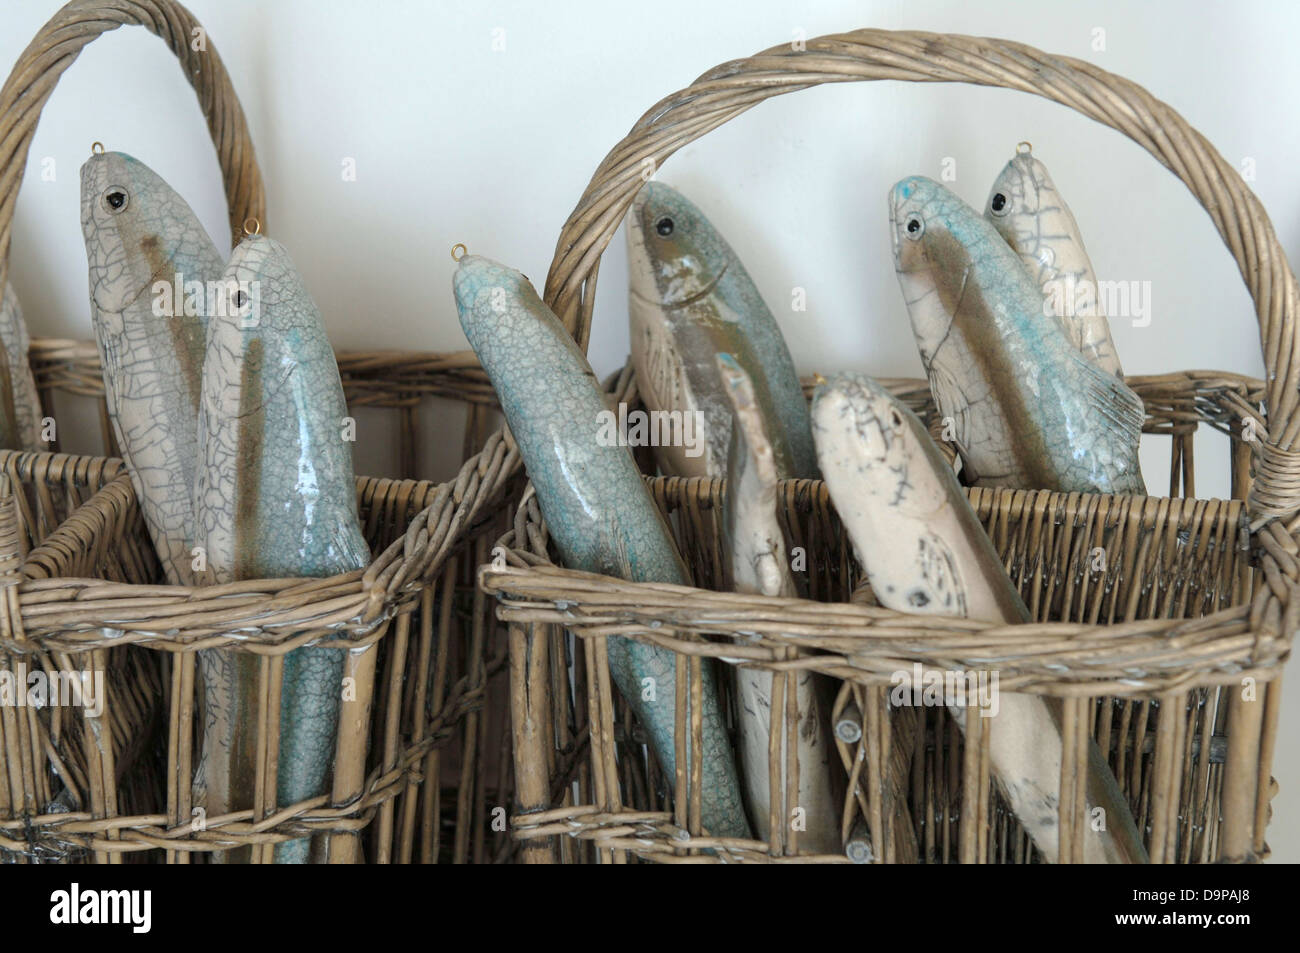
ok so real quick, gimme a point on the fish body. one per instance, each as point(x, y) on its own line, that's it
point(1026, 408)
point(690, 299)
point(596, 505)
point(1029, 213)
point(757, 563)
point(925, 552)
point(20, 405)
point(138, 233)
point(276, 494)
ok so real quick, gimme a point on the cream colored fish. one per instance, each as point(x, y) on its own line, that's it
point(139, 233)
point(757, 563)
point(1028, 211)
point(925, 552)
point(20, 405)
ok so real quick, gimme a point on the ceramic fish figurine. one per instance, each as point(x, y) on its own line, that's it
point(925, 552)
point(1026, 408)
point(1030, 214)
point(20, 405)
point(140, 233)
point(690, 299)
point(757, 564)
point(594, 500)
point(276, 494)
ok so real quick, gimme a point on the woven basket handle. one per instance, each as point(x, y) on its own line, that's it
point(57, 46)
point(729, 90)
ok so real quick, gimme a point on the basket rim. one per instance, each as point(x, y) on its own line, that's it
point(350, 609)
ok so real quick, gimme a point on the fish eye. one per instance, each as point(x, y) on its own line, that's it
point(915, 227)
point(998, 203)
point(664, 226)
point(116, 198)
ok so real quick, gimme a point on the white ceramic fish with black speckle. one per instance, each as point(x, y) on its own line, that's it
point(139, 232)
point(1028, 211)
point(757, 563)
point(1025, 407)
point(275, 498)
point(595, 503)
point(925, 552)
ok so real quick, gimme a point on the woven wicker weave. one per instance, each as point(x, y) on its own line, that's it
point(1168, 653)
point(417, 764)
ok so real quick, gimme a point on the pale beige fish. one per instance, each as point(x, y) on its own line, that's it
point(1028, 211)
point(152, 267)
point(926, 553)
point(757, 563)
point(21, 426)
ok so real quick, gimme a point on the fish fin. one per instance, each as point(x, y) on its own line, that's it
point(1118, 405)
point(953, 403)
point(1113, 421)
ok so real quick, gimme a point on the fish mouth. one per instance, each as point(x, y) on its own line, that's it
point(683, 302)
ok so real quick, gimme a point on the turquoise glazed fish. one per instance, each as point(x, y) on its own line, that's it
point(1030, 214)
point(276, 495)
point(757, 563)
point(144, 244)
point(594, 500)
point(925, 552)
point(690, 299)
point(1025, 408)
point(20, 405)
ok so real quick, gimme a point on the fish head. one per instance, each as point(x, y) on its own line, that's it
point(138, 230)
point(877, 449)
point(259, 276)
point(484, 287)
point(674, 254)
point(1019, 193)
point(934, 235)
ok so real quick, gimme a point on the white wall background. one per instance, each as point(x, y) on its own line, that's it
point(457, 142)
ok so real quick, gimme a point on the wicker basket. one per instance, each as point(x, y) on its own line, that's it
point(1168, 654)
point(418, 769)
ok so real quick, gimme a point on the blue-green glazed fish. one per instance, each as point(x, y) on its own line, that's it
point(1025, 407)
point(276, 494)
point(151, 263)
point(690, 299)
point(595, 502)
point(20, 405)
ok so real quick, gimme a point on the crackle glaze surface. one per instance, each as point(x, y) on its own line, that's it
point(594, 500)
point(689, 299)
point(925, 552)
point(138, 231)
point(754, 549)
point(1026, 408)
point(1029, 213)
point(275, 497)
point(20, 405)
